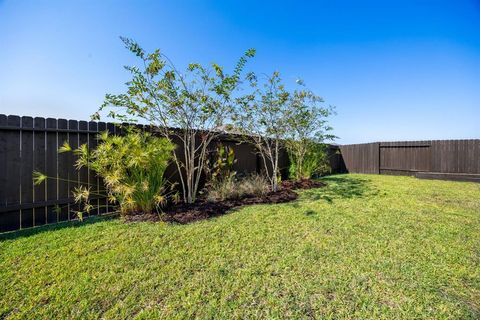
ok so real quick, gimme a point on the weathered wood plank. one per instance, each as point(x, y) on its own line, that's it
point(92, 177)
point(73, 174)
point(39, 164)
point(63, 165)
point(51, 169)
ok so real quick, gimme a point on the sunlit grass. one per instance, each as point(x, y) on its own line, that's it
point(366, 246)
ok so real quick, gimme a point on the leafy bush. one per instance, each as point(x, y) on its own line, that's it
point(312, 163)
point(308, 130)
point(221, 166)
point(132, 167)
point(233, 188)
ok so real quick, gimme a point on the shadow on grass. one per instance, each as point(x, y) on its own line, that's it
point(341, 187)
point(52, 227)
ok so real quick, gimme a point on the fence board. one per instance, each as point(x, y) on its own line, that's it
point(39, 164)
point(9, 220)
point(26, 180)
point(92, 178)
point(3, 161)
point(102, 202)
point(51, 169)
point(63, 165)
point(12, 193)
point(73, 174)
point(83, 140)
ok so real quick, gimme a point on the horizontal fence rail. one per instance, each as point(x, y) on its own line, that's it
point(31, 144)
point(436, 159)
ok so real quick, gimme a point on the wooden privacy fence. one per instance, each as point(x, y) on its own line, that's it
point(31, 144)
point(436, 159)
point(28, 144)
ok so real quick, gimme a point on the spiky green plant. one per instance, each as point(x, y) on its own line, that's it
point(132, 167)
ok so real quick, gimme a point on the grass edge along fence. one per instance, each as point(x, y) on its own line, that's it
point(30, 144)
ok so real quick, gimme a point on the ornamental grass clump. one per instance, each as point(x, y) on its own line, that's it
point(132, 168)
point(232, 188)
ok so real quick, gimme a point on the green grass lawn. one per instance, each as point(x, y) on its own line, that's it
point(366, 246)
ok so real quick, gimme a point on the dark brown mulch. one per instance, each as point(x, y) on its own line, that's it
point(302, 184)
point(185, 213)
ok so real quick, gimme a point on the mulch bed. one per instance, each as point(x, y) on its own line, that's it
point(185, 213)
point(302, 184)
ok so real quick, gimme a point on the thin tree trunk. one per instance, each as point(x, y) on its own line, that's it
point(275, 171)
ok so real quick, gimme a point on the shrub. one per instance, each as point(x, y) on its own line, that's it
point(308, 130)
point(231, 188)
point(254, 184)
point(219, 190)
point(132, 167)
point(312, 163)
point(220, 165)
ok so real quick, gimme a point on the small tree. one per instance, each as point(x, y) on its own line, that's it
point(262, 119)
point(308, 130)
point(195, 102)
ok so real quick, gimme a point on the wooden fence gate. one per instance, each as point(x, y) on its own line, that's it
point(438, 159)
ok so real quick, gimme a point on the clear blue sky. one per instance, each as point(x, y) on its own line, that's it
point(395, 70)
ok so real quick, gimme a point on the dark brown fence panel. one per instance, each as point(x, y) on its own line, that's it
point(92, 177)
point(456, 156)
point(102, 202)
point(51, 170)
point(83, 140)
point(39, 164)
point(10, 212)
point(439, 159)
point(9, 166)
point(26, 180)
point(404, 157)
point(14, 166)
point(361, 158)
point(73, 173)
point(63, 166)
point(6, 218)
point(474, 156)
point(28, 145)
point(3, 161)
point(246, 157)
